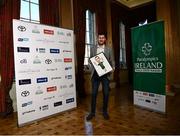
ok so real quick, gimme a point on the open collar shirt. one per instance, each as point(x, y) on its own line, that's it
point(100, 48)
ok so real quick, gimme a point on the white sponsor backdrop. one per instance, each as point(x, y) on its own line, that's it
point(44, 70)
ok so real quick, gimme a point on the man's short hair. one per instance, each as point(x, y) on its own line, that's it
point(102, 34)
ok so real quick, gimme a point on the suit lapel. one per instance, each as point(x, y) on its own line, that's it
point(106, 51)
point(95, 51)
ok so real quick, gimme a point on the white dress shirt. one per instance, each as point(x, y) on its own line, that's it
point(100, 49)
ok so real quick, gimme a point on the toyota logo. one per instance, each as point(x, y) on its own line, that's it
point(21, 28)
point(48, 61)
point(23, 61)
point(25, 93)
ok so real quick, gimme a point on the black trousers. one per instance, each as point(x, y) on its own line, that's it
point(96, 80)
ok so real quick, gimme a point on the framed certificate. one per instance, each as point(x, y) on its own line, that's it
point(101, 64)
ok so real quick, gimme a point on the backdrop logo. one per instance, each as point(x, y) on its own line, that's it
point(24, 81)
point(26, 112)
point(69, 100)
point(23, 39)
point(68, 68)
point(39, 91)
point(67, 59)
point(29, 71)
point(146, 49)
point(54, 51)
point(52, 69)
point(68, 34)
point(57, 60)
point(57, 103)
point(63, 86)
point(45, 40)
point(68, 76)
point(35, 30)
point(23, 61)
point(22, 49)
point(44, 107)
point(71, 85)
point(25, 93)
point(48, 61)
point(26, 104)
point(63, 42)
point(50, 32)
point(52, 89)
point(67, 51)
point(41, 50)
point(22, 28)
point(60, 33)
point(42, 80)
point(55, 78)
point(49, 98)
point(36, 60)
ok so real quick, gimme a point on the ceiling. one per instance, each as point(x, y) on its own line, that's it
point(133, 3)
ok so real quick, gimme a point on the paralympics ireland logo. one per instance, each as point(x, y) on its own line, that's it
point(148, 64)
point(146, 49)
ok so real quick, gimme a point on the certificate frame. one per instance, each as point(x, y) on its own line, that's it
point(101, 64)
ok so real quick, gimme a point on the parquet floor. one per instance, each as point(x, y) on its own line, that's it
point(125, 118)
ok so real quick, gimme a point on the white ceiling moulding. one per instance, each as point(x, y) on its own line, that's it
point(133, 3)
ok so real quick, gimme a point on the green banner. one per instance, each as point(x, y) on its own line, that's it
point(148, 50)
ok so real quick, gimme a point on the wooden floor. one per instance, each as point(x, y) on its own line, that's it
point(125, 118)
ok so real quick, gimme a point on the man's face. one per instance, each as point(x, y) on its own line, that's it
point(97, 59)
point(101, 39)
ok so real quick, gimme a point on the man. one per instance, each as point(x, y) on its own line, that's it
point(95, 79)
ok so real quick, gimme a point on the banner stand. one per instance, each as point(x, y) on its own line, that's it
point(149, 67)
point(44, 71)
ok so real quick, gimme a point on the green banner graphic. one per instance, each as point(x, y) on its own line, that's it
point(148, 50)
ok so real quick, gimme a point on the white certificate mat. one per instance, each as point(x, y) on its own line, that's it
point(101, 64)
